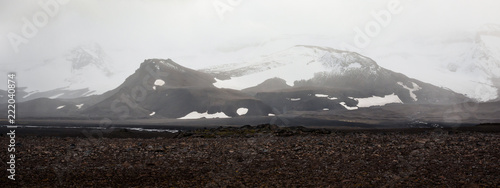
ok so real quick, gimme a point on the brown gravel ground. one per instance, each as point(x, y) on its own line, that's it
point(434, 158)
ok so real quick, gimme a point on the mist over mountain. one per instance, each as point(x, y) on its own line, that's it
point(465, 62)
point(83, 70)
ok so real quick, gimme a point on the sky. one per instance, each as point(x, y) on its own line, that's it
point(202, 33)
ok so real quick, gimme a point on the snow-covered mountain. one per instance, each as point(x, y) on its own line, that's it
point(81, 71)
point(87, 59)
point(479, 62)
point(348, 79)
point(465, 62)
point(483, 58)
point(294, 64)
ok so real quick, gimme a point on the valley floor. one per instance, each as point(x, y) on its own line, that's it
point(433, 157)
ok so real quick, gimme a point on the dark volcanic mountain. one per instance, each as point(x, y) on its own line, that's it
point(272, 84)
point(159, 88)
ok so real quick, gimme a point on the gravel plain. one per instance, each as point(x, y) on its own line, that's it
point(261, 157)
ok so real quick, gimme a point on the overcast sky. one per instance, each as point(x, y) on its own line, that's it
point(196, 34)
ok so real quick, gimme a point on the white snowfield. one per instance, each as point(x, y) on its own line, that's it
point(411, 90)
point(294, 64)
point(196, 115)
point(242, 111)
point(378, 101)
point(373, 101)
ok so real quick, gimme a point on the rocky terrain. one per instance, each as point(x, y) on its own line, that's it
point(263, 156)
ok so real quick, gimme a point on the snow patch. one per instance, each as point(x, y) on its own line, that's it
point(348, 107)
point(411, 90)
point(79, 106)
point(320, 95)
point(378, 101)
point(56, 96)
point(59, 107)
point(325, 96)
point(325, 109)
point(242, 111)
point(196, 115)
point(295, 99)
point(271, 114)
point(159, 82)
point(152, 114)
point(29, 94)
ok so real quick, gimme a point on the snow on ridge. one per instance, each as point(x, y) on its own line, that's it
point(29, 94)
point(196, 115)
point(297, 68)
point(242, 111)
point(171, 66)
point(60, 107)
point(56, 96)
point(411, 90)
point(348, 107)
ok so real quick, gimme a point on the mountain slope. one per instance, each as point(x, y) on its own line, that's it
point(163, 88)
point(272, 84)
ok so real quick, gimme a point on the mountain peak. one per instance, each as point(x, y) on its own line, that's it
point(165, 65)
point(173, 74)
point(296, 63)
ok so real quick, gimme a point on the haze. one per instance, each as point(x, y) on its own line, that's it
point(195, 34)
